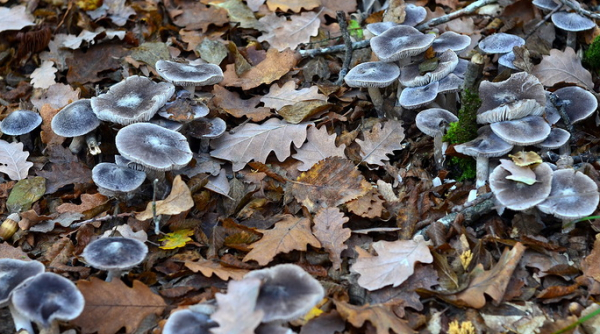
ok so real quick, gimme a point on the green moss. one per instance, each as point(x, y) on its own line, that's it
point(462, 169)
point(591, 57)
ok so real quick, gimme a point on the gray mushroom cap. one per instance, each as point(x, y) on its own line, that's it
point(450, 83)
point(451, 40)
point(46, 298)
point(573, 195)
point(135, 99)
point(545, 4)
point(13, 272)
point(414, 15)
point(557, 138)
point(153, 146)
point(507, 59)
point(20, 122)
point(115, 253)
point(433, 121)
point(528, 130)
point(183, 111)
point(287, 292)
point(115, 178)
point(511, 111)
point(209, 128)
point(372, 74)
point(518, 195)
point(578, 103)
point(400, 42)
point(487, 144)
point(572, 21)
point(500, 43)
point(189, 75)
point(411, 76)
point(76, 119)
point(189, 322)
point(379, 28)
point(415, 97)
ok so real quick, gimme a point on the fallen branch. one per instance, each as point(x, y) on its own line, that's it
point(470, 214)
point(581, 11)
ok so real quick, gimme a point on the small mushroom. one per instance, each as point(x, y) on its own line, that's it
point(528, 130)
point(578, 103)
point(416, 97)
point(556, 139)
point(12, 273)
point(115, 180)
point(413, 75)
point(287, 292)
point(189, 322)
point(433, 122)
point(188, 75)
point(114, 254)
point(21, 123)
point(414, 15)
point(46, 299)
point(547, 5)
point(400, 42)
point(373, 75)
point(517, 195)
point(507, 60)
point(77, 120)
point(451, 40)
point(572, 23)
point(500, 43)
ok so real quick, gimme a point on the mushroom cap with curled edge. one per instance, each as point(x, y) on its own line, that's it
point(433, 121)
point(113, 179)
point(414, 15)
point(189, 322)
point(511, 111)
point(400, 42)
point(13, 272)
point(569, 21)
point(47, 298)
point(415, 97)
point(451, 40)
point(573, 195)
point(182, 110)
point(487, 144)
point(114, 253)
point(525, 131)
point(517, 195)
point(556, 139)
point(372, 74)
point(209, 128)
point(287, 292)
point(500, 43)
point(578, 103)
point(412, 76)
point(189, 75)
point(379, 28)
point(153, 146)
point(135, 99)
point(76, 119)
point(451, 83)
point(167, 123)
point(20, 122)
point(545, 4)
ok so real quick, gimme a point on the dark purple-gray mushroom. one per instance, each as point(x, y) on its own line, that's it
point(572, 23)
point(578, 103)
point(135, 99)
point(20, 122)
point(373, 75)
point(77, 120)
point(547, 5)
point(517, 195)
point(414, 15)
point(416, 97)
point(433, 122)
point(188, 75)
point(500, 43)
point(414, 75)
point(115, 180)
point(525, 131)
point(400, 42)
point(115, 255)
point(573, 195)
point(451, 40)
point(507, 60)
point(189, 322)
point(556, 139)
point(46, 299)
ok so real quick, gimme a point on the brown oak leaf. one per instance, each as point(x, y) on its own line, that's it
point(329, 230)
point(319, 145)
point(290, 233)
point(590, 263)
point(112, 305)
point(278, 97)
point(379, 315)
point(369, 205)
point(209, 268)
point(179, 200)
point(193, 15)
point(88, 202)
point(293, 5)
point(282, 33)
point(47, 135)
point(231, 103)
point(236, 312)
point(562, 66)
point(380, 142)
point(62, 174)
point(275, 65)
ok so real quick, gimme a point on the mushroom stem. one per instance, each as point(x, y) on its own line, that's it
point(76, 144)
point(572, 39)
point(377, 100)
point(438, 155)
point(482, 170)
point(21, 322)
point(92, 143)
point(191, 89)
point(112, 274)
point(53, 329)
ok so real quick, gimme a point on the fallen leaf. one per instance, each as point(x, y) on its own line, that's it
point(281, 33)
point(319, 145)
point(192, 15)
point(293, 5)
point(290, 233)
point(275, 65)
point(179, 200)
point(25, 193)
point(256, 141)
point(590, 263)
point(219, 184)
point(13, 160)
point(393, 264)
point(231, 103)
point(369, 205)
point(112, 305)
point(15, 18)
point(331, 233)
point(61, 175)
point(562, 66)
point(209, 268)
point(380, 142)
point(234, 316)
point(239, 12)
point(43, 76)
point(329, 183)
point(9, 252)
point(57, 96)
point(88, 202)
point(379, 315)
point(278, 97)
point(303, 110)
point(176, 239)
point(86, 67)
point(47, 134)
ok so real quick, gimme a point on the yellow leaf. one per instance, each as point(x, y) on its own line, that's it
point(176, 239)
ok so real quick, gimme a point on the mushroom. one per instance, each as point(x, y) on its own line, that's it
point(416, 97)
point(115, 180)
point(206, 129)
point(556, 139)
point(414, 75)
point(449, 88)
point(188, 75)
point(572, 23)
point(547, 5)
point(135, 99)
point(413, 16)
point(21, 123)
point(578, 103)
point(373, 75)
point(12, 273)
point(517, 195)
point(500, 43)
point(189, 322)
point(114, 254)
point(433, 122)
point(451, 40)
point(287, 292)
point(46, 299)
point(507, 60)
point(525, 131)
point(400, 42)
point(77, 120)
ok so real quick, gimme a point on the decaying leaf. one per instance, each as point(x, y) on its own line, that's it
point(590, 263)
point(278, 97)
point(43, 76)
point(380, 142)
point(236, 312)
point(112, 305)
point(47, 135)
point(303, 110)
point(256, 141)
point(179, 200)
point(329, 230)
point(176, 239)
point(13, 160)
point(392, 265)
point(369, 205)
point(25, 193)
point(319, 145)
point(379, 315)
point(15, 18)
point(329, 183)
point(209, 268)
point(231, 103)
point(63, 174)
point(290, 233)
point(293, 5)
point(282, 34)
point(562, 66)
point(275, 65)
point(88, 202)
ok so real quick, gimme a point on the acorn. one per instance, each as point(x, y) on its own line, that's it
point(9, 227)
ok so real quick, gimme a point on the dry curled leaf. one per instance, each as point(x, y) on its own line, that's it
point(275, 65)
point(286, 95)
point(209, 268)
point(329, 230)
point(13, 160)
point(88, 202)
point(380, 142)
point(179, 200)
point(319, 145)
point(562, 66)
point(231, 103)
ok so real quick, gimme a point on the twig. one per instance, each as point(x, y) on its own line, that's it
point(341, 17)
point(107, 217)
point(333, 49)
point(581, 11)
point(539, 24)
point(471, 214)
point(155, 218)
point(560, 107)
point(455, 14)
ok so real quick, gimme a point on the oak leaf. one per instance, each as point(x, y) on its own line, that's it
point(293, 5)
point(331, 233)
point(179, 200)
point(290, 233)
point(112, 305)
point(369, 205)
point(278, 97)
point(256, 141)
point(379, 315)
point(209, 268)
point(13, 160)
point(590, 263)
point(319, 145)
point(88, 202)
point(273, 67)
point(193, 15)
point(282, 34)
point(43, 76)
point(15, 18)
point(47, 134)
point(303, 110)
point(63, 174)
point(492, 282)
point(562, 66)
point(231, 103)
point(176, 239)
point(393, 264)
point(236, 312)
point(381, 141)
point(329, 183)
point(57, 96)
